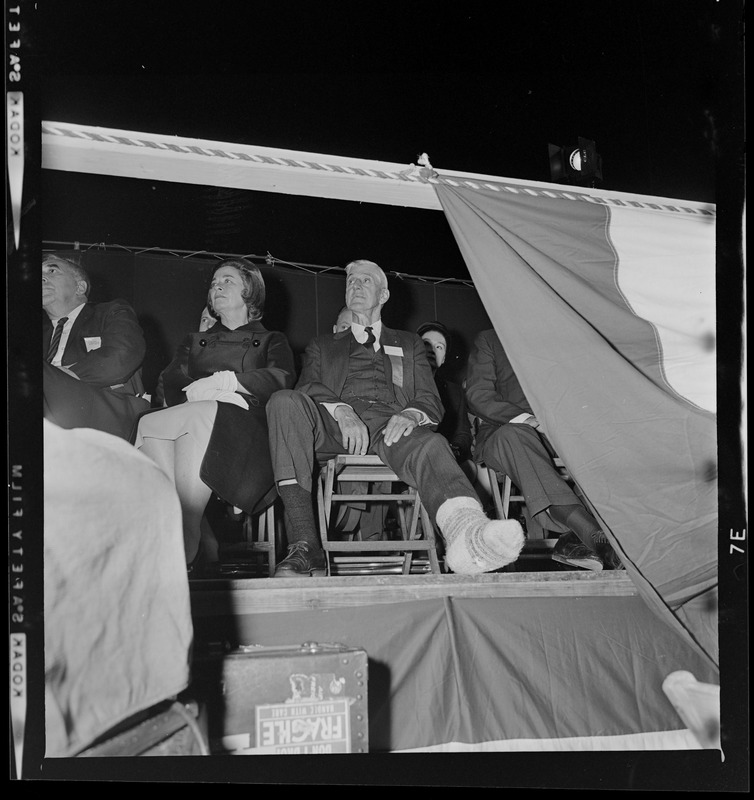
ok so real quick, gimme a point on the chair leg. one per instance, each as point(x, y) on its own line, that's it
point(429, 535)
point(262, 533)
point(322, 514)
point(506, 500)
point(270, 533)
point(327, 489)
point(501, 504)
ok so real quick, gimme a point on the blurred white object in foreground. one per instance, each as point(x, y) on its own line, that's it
point(697, 704)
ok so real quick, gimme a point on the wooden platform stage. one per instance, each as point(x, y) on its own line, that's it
point(219, 597)
point(536, 658)
point(376, 579)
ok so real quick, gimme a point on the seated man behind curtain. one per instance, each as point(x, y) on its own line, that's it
point(343, 320)
point(369, 389)
point(455, 425)
point(92, 354)
point(509, 441)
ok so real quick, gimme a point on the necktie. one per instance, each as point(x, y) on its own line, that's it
point(370, 338)
point(56, 338)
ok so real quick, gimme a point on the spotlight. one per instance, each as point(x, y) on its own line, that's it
point(580, 164)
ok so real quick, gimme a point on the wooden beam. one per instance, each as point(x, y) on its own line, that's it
point(269, 595)
point(94, 150)
point(149, 156)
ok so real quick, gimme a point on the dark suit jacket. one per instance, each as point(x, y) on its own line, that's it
point(118, 355)
point(455, 425)
point(105, 349)
point(493, 392)
point(325, 369)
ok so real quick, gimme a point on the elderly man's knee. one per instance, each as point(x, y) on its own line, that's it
point(437, 442)
point(430, 443)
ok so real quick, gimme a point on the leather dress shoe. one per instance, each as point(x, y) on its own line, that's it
point(572, 552)
point(609, 557)
point(302, 561)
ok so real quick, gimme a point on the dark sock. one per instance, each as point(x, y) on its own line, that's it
point(299, 515)
point(580, 521)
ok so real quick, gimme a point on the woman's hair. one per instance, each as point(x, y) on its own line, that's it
point(435, 326)
point(253, 286)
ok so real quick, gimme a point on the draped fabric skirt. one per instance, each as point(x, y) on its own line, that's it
point(236, 463)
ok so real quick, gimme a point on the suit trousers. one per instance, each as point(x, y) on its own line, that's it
point(517, 451)
point(303, 432)
point(71, 403)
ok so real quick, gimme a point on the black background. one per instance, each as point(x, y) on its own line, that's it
point(654, 84)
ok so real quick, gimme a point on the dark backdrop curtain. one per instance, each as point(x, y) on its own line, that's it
point(169, 291)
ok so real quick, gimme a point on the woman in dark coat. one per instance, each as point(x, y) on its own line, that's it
point(212, 437)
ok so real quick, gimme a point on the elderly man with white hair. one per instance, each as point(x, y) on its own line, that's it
point(369, 389)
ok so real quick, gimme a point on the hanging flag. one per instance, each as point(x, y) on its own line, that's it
point(606, 308)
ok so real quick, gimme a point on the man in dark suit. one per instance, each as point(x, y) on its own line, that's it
point(92, 354)
point(455, 425)
point(369, 389)
point(509, 441)
point(343, 320)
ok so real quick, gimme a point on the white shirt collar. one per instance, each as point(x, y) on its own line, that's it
point(360, 334)
point(71, 316)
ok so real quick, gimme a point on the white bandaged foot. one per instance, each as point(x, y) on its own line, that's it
point(474, 543)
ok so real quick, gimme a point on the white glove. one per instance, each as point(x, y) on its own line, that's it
point(201, 389)
point(204, 393)
point(231, 397)
point(225, 380)
point(207, 388)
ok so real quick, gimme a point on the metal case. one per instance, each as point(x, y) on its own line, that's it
point(296, 700)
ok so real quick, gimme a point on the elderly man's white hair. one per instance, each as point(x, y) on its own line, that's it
point(363, 262)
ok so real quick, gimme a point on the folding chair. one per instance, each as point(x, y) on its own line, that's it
point(261, 535)
point(504, 492)
point(371, 470)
